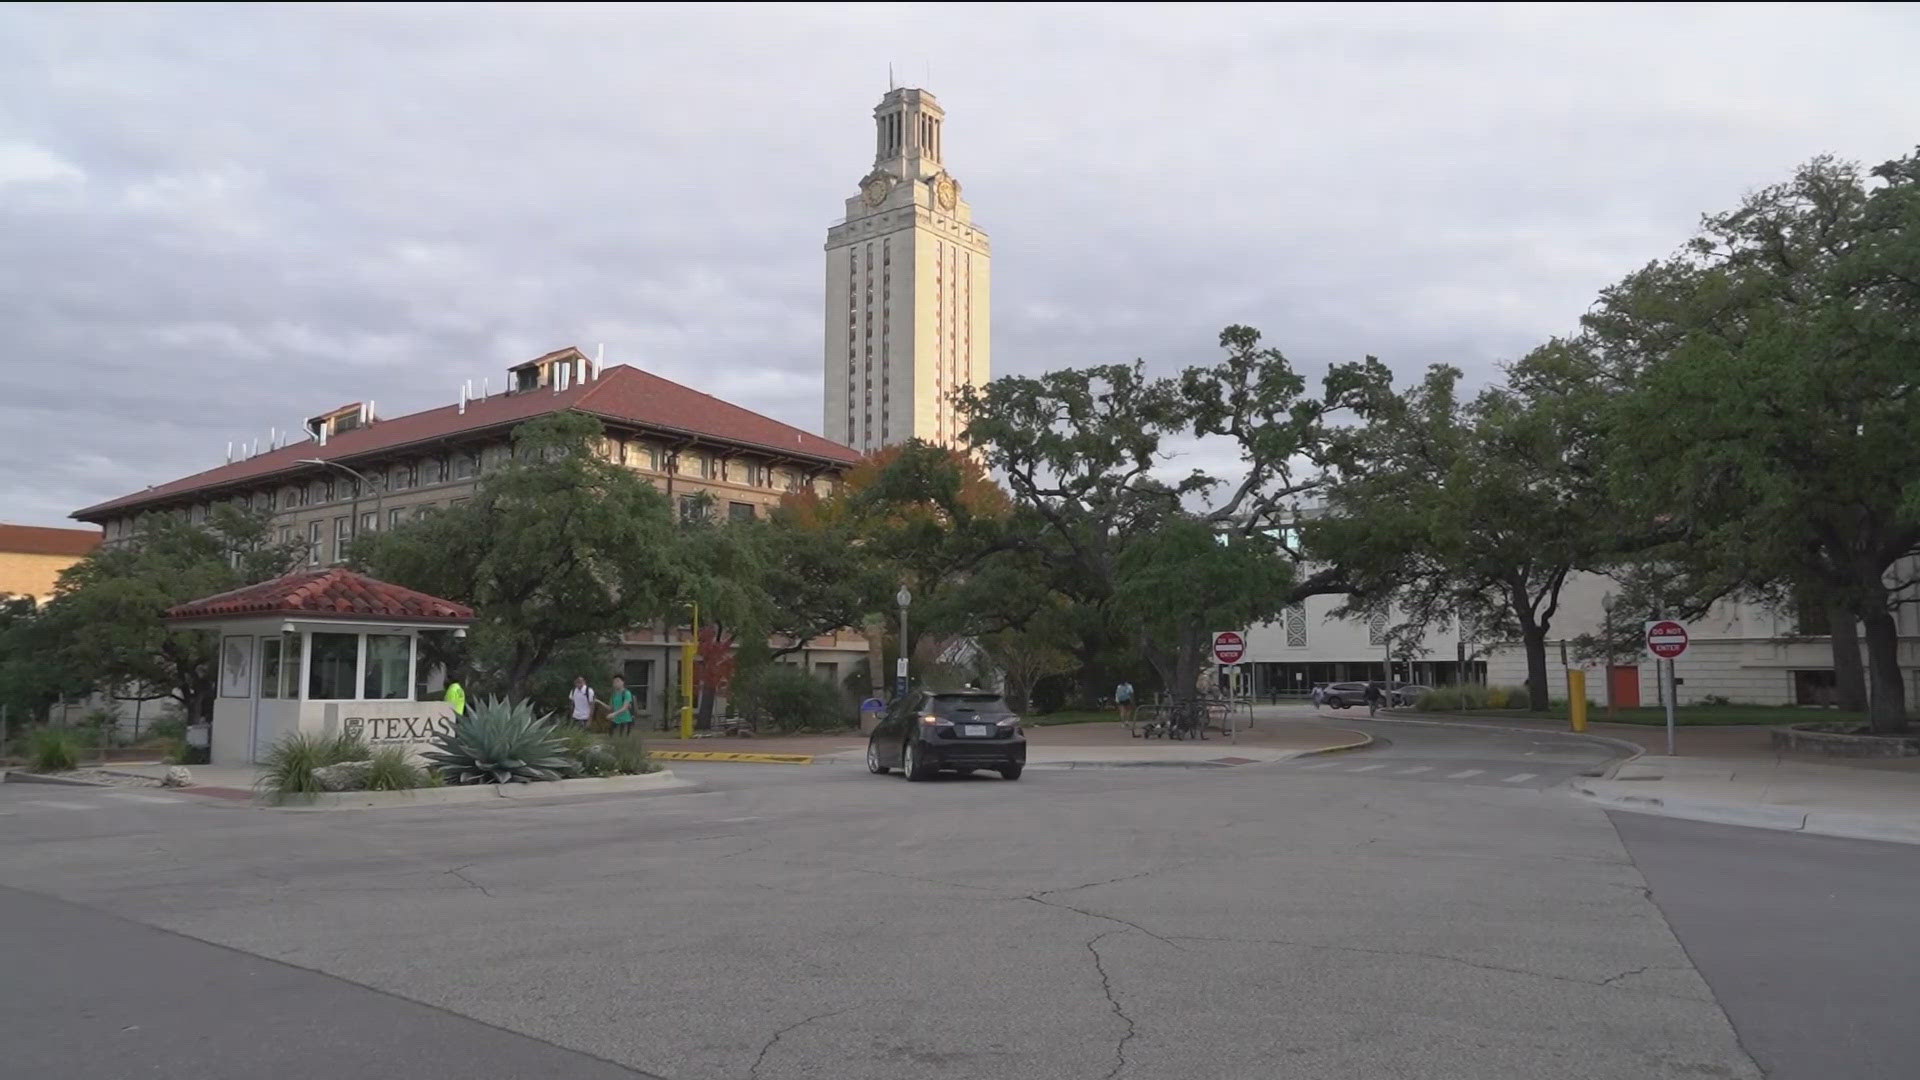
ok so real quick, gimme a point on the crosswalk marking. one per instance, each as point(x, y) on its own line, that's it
point(56, 804)
point(1464, 773)
point(129, 796)
point(1367, 768)
point(1415, 769)
point(1517, 777)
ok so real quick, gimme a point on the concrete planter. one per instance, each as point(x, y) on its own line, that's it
point(662, 781)
point(1841, 740)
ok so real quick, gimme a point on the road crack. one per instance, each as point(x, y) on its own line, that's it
point(1036, 898)
point(1106, 988)
point(1416, 954)
point(456, 872)
point(767, 1047)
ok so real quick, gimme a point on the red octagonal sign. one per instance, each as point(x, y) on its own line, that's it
point(1666, 639)
point(1229, 647)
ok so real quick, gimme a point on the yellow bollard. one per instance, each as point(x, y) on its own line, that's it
point(1577, 699)
point(686, 677)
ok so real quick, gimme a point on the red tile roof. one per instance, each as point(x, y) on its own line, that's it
point(621, 394)
point(338, 593)
point(40, 540)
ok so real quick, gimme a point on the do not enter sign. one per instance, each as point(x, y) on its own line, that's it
point(1228, 647)
point(1666, 639)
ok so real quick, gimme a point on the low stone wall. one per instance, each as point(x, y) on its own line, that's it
point(1840, 740)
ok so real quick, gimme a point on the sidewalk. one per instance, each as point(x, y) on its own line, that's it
point(1768, 793)
point(1730, 774)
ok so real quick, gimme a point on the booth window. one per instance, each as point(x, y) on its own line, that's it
point(290, 665)
point(270, 667)
point(387, 656)
point(332, 667)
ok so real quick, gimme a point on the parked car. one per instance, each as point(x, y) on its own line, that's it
point(925, 732)
point(1409, 693)
point(1343, 695)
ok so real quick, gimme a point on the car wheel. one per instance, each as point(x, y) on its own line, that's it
point(911, 765)
point(1012, 772)
point(873, 759)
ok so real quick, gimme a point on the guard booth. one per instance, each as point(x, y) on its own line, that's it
point(320, 651)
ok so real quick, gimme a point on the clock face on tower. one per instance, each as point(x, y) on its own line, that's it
point(875, 191)
point(946, 192)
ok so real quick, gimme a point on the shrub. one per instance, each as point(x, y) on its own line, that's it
point(501, 742)
point(170, 725)
point(629, 756)
point(289, 764)
point(785, 698)
point(1473, 696)
point(54, 749)
point(1716, 699)
point(391, 768)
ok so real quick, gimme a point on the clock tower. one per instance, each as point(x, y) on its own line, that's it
point(907, 284)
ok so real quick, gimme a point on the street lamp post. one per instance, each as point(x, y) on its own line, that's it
point(903, 598)
point(379, 497)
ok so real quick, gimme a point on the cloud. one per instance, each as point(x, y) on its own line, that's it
point(220, 220)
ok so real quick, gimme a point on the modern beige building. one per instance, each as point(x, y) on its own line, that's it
point(32, 556)
point(360, 472)
point(907, 289)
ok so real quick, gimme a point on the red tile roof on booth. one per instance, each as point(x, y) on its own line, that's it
point(620, 395)
point(40, 540)
point(338, 593)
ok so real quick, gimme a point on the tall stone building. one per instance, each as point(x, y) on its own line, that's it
point(907, 289)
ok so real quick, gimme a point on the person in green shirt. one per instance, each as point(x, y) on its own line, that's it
point(620, 707)
point(456, 696)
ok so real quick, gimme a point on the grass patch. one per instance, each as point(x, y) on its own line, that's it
point(391, 768)
point(1683, 716)
point(1072, 716)
point(54, 749)
point(288, 766)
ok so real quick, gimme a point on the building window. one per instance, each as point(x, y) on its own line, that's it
point(526, 379)
point(1296, 616)
point(740, 511)
point(387, 662)
point(653, 458)
point(440, 467)
point(395, 517)
point(370, 521)
point(1377, 629)
point(755, 474)
point(326, 490)
point(465, 464)
point(335, 662)
point(342, 536)
point(315, 542)
point(693, 508)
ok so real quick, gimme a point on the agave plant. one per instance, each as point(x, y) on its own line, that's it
point(500, 742)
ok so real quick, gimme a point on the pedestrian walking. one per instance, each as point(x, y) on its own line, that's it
point(456, 696)
point(583, 700)
point(1319, 695)
point(1373, 698)
point(621, 702)
point(1123, 697)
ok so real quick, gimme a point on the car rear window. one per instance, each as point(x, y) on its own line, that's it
point(948, 706)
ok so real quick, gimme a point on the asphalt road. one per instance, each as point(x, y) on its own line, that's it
point(820, 922)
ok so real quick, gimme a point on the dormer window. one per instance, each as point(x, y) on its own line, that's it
point(527, 378)
point(339, 421)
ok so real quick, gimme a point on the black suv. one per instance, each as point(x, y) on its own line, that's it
point(962, 730)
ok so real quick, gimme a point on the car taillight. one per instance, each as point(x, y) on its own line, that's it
point(934, 721)
point(1008, 723)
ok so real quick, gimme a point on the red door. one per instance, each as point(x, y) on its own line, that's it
point(1623, 686)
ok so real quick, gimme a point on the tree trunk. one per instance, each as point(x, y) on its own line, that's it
point(1534, 640)
point(1849, 675)
point(1887, 712)
point(876, 633)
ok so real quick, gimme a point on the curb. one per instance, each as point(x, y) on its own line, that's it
point(720, 755)
point(1629, 750)
point(662, 782)
point(1846, 824)
point(1364, 741)
point(15, 776)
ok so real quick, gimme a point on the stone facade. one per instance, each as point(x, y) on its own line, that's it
point(908, 282)
point(32, 557)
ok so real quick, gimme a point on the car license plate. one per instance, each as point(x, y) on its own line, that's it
point(975, 731)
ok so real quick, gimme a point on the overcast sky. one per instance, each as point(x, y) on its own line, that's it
point(217, 220)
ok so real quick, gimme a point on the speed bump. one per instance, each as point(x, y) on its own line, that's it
point(717, 755)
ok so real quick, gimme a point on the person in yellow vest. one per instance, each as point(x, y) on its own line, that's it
point(456, 696)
